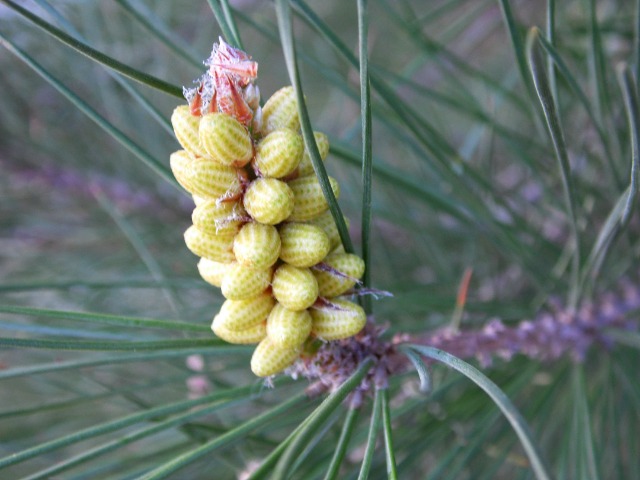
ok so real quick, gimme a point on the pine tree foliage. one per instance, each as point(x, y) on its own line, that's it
point(488, 159)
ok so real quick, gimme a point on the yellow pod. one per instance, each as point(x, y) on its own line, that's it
point(338, 249)
point(186, 127)
point(219, 218)
point(225, 139)
point(288, 328)
point(241, 282)
point(269, 359)
point(295, 288)
point(279, 153)
point(335, 323)
point(332, 284)
point(309, 201)
point(303, 245)
point(243, 314)
point(203, 177)
point(198, 200)
point(253, 334)
point(214, 247)
point(281, 111)
point(213, 272)
point(180, 163)
point(268, 200)
point(257, 245)
point(326, 222)
point(306, 167)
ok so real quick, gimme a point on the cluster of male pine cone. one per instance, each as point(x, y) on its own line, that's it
point(261, 222)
